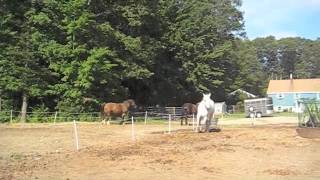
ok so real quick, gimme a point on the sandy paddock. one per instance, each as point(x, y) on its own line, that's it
point(239, 151)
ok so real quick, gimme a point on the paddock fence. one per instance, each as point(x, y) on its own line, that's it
point(154, 113)
point(48, 117)
point(160, 119)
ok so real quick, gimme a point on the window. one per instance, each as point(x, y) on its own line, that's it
point(280, 96)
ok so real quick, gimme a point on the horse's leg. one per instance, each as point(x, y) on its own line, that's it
point(103, 119)
point(108, 119)
point(208, 122)
point(122, 117)
point(205, 119)
point(186, 120)
point(198, 123)
point(207, 125)
point(212, 119)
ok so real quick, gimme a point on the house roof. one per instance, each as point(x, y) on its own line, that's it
point(242, 91)
point(294, 85)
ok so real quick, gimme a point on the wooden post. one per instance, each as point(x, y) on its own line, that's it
point(11, 116)
point(253, 119)
point(76, 134)
point(169, 124)
point(132, 129)
point(55, 117)
point(145, 118)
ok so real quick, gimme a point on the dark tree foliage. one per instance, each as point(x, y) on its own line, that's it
point(73, 55)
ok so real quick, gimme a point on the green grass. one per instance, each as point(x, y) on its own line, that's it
point(16, 156)
point(243, 115)
point(285, 114)
point(233, 116)
point(152, 121)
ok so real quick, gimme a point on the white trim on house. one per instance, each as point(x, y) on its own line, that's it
point(297, 96)
point(251, 100)
point(287, 108)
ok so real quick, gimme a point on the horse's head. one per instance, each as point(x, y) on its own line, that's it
point(208, 101)
point(130, 103)
point(206, 97)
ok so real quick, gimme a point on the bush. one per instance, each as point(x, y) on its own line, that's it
point(39, 114)
point(4, 116)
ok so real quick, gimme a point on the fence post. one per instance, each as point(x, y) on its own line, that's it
point(11, 116)
point(132, 129)
point(169, 123)
point(55, 117)
point(253, 119)
point(145, 118)
point(174, 112)
point(76, 134)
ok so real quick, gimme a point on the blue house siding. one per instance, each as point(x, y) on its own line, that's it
point(309, 95)
point(288, 101)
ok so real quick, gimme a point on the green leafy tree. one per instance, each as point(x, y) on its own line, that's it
point(23, 70)
point(290, 50)
point(308, 65)
point(200, 38)
point(267, 51)
point(248, 71)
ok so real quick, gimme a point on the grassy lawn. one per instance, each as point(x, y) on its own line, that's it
point(285, 114)
point(232, 116)
point(243, 115)
point(153, 121)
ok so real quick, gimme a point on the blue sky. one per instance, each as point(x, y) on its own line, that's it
point(282, 18)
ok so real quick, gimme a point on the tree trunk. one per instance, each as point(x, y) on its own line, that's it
point(24, 108)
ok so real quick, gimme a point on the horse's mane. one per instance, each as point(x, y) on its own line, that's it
point(102, 109)
point(128, 100)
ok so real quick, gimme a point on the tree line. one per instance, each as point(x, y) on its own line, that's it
point(72, 55)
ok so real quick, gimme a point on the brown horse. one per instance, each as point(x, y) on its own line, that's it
point(187, 109)
point(116, 110)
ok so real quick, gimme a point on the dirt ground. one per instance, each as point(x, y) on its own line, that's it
point(263, 151)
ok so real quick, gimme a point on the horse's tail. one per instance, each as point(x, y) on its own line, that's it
point(102, 110)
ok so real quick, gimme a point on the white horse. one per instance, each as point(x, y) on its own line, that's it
point(205, 112)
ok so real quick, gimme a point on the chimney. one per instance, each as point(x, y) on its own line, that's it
point(291, 83)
